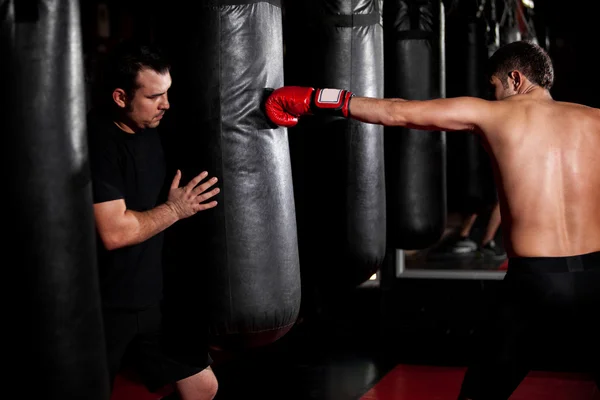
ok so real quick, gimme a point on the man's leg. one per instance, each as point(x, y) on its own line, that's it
point(500, 356)
point(492, 380)
point(586, 287)
point(489, 248)
point(120, 327)
point(159, 368)
point(493, 225)
point(201, 386)
point(467, 225)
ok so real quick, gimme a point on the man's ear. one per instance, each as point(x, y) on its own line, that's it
point(517, 79)
point(120, 97)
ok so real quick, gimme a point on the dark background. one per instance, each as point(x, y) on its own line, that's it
point(573, 36)
point(567, 29)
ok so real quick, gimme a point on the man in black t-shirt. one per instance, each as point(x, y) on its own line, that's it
point(128, 175)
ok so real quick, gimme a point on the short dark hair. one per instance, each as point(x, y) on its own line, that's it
point(525, 56)
point(127, 59)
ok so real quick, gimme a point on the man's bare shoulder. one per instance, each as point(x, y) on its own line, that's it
point(578, 106)
point(575, 112)
point(529, 103)
point(546, 115)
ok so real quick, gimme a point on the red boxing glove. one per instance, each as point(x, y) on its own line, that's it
point(286, 104)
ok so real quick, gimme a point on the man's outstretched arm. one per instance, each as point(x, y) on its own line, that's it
point(287, 104)
point(453, 114)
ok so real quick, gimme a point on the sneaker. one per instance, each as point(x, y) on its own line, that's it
point(493, 251)
point(464, 245)
point(458, 245)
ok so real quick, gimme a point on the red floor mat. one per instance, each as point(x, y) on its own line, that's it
point(408, 382)
point(128, 387)
point(503, 266)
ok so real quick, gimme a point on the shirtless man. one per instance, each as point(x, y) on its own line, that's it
point(547, 171)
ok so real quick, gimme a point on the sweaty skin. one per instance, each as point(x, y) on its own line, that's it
point(544, 154)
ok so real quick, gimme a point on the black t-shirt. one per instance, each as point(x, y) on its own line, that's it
point(130, 167)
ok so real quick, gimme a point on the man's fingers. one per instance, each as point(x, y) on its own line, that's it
point(205, 196)
point(176, 179)
point(202, 188)
point(206, 206)
point(194, 182)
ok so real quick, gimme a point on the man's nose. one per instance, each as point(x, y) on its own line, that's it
point(164, 104)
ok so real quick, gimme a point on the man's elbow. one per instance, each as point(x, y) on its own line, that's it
point(110, 246)
point(473, 128)
point(113, 241)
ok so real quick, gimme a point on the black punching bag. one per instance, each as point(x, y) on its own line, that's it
point(236, 265)
point(52, 312)
point(415, 159)
point(470, 177)
point(338, 164)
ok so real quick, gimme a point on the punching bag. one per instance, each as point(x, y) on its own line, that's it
point(235, 266)
point(338, 164)
point(53, 313)
point(470, 176)
point(415, 164)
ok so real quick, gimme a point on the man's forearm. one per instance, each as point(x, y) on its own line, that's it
point(376, 111)
point(140, 226)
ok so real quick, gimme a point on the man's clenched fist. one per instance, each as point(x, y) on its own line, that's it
point(285, 105)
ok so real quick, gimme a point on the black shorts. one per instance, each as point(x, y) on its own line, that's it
point(136, 339)
point(546, 306)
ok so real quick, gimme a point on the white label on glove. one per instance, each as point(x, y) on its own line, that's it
point(330, 96)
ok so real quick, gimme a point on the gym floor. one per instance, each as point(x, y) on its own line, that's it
point(349, 352)
point(401, 339)
point(422, 357)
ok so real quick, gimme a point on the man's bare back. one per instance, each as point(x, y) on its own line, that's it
point(548, 175)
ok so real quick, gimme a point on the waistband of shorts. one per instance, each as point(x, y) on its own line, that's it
point(575, 263)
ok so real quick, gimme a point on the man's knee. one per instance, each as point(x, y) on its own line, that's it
point(211, 384)
point(201, 386)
